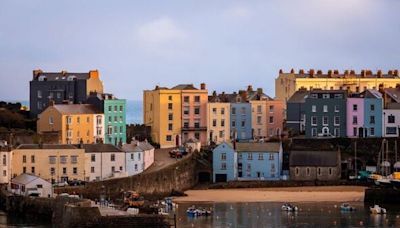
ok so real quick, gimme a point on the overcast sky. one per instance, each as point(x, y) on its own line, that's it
point(226, 44)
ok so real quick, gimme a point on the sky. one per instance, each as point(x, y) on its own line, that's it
point(227, 44)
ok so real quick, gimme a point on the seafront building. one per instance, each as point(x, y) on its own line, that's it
point(114, 110)
point(176, 115)
point(72, 123)
point(296, 112)
point(287, 83)
point(31, 185)
point(54, 163)
point(218, 120)
point(5, 162)
point(61, 87)
point(247, 161)
point(139, 156)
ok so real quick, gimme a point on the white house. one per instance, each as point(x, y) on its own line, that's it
point(5, 162)
point(139, 156)
point(31, 185)
point(103, 161)
point(391, 122)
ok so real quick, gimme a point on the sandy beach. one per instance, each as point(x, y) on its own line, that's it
point(292, 194)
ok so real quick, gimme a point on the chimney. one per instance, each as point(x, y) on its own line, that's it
point(203, 86)
point(64, 72)
point(319, 72)
point(379, 73)
point(292, 71)
point(390, 72)
point(352, 72)
point(249, 88)
point(244, 96)
point(94, 74)
point(311, 72)
point(330, 73)
point(259, 91)
point(336, 72)
point(301, 71)
point(363, 73)
point(157, 87)
point(36, 73)
point(214, 94)
point(396, 73)
point(346, 72)
point(281, 71)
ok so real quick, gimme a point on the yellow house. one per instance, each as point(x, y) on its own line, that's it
point(54, 163)
point(218, 122)
point(162, 112)
point(288, 83)
point(74, 123)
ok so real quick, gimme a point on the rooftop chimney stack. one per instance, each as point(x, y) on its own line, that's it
point(390, 72)
point(336, 72)
point(281, 71)
point(379, 73)
point(396, 73)
point(301, 71)
point(311, 72)
point(250, 88)
point(259, 91)
point(363, 73)
point(292, 71)
point(330, 73)
point(319, 72)
point(203, 86)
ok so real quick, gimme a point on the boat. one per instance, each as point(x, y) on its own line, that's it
point(289, 207)
point(376, 209)
point(347, 207)
point(196, 212)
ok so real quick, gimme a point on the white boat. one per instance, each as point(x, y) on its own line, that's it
point(376, 209)
point(289, 207)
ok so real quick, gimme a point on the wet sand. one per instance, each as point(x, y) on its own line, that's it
point(292, 194)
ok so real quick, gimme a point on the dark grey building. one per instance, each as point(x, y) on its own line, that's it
point(295, 112)
point(325, 112)
point(61, 87)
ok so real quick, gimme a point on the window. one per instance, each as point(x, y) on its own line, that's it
point(169, 106)
point(170, 127)
point(115, 118)
point(170, 98)
point(325, 120)
point(136, 167)
point(110, 130)
point(4, 173)
point(185, 123)
point(51, 121)
point(196, 123)
point(197, 99)
point(271, 119)
point(186, 99)
point(39, 105)
point(223, 166)
point(112, 157)
point(313, 120)
point(63, 159)
point(233, 123)
point(52, 159)
point(337, 121)
point(391, 130)
point(109, 108)
point(223, 156)
point(58, 95)
point(186, 110)
point(24, 159)
point(78, 119)
point(39, 94)
point(64, 170)
point(109, 119)
point(372, 131)
point(221, 134)
point(32, 158)
point(313, 108)
point(355, 107)
point(52, 171)
point(75, 170)
point(314, 132)
point(249, 156)
point(214, 110)
point(271, 156)
point(259, 109)
point(197, 135)
point(24, 169)
point(372, 119)
point(222, 123)
point(214, 123)
point(336, 108)
point(112, 169)
point(170, 116)
point(260, 156)
point(325, 108)
point(308, 171)
point(354, 131)
point(325, 96)
point(4, 160)
point(197, 110)
point(233, 111)
point(33, 170)
point(355, 120)
point(92, 169)
point(271, 108)
point(88, 119)
point(319, 171)
point(297, 171)
point(168, 138)
point(336, 132)
point(121, 108)
point(139, 157)
point(222, 111)
point(330, 171)
point(132, 156)
point(69, 119)
point(243, 111)
point(120, 168)
point(243, 123)
point(391, 119)
point(74, 159)
point(372, 107)
point(115, 108)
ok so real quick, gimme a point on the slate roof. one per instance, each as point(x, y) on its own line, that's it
point(133, 147)
point(70, 109)
point(313, 158)
point(25, 179)
point(299, 96)
point(184, 87)
point(99, 148)
point(394, 93)
point(46, 146)
point(59, 76)
point(258, 147)
point(342, 75)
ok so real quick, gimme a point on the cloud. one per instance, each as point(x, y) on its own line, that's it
point(237, 12)
point(160, 36)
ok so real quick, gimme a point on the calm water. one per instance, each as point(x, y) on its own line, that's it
point(17, 221)
point(134, 111)
point(270, 215)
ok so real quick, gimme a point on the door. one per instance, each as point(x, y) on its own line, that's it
point(220, 177)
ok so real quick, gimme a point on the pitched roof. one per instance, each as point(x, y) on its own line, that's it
point(70, 109)
point(258, 147)
point(46, 146)
point(25, 179)
point(394, 93)
point(136, 146)
point(60, 76)
point(299, 96)
point(314, 158)
point(184, 87)
point(99, 148)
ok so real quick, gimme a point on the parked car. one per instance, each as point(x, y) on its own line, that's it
point(175, 154)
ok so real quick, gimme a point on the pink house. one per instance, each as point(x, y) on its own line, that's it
point(355, 116)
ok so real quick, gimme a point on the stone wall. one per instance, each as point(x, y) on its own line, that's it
point(301, 175)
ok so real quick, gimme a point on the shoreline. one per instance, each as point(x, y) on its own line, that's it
point(290, 194)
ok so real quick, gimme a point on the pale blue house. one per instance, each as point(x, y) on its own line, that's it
point(247, 161)
point(241, 128)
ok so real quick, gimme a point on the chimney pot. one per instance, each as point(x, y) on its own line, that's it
point(292, 71)
point(249, 88)
point(396, 72)
point(379, 73)
point(203, 86)
point(281, 71)
point(259, 90)
point(301, 71)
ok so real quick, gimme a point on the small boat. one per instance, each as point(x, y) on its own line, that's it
point(193, 212)
point(376, 209)
point(289, 207)
point(347, 207)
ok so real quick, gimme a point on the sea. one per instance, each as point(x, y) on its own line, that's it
point(134, 111)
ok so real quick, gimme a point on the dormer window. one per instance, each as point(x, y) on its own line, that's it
point(71, 78)
point(42, 78)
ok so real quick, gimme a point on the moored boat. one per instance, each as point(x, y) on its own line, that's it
point(376, 209)
point(347, 207)
point(289, 207)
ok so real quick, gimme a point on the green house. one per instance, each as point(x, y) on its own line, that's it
point(114, 117)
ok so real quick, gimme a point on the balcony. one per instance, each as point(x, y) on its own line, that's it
point(184, 128)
